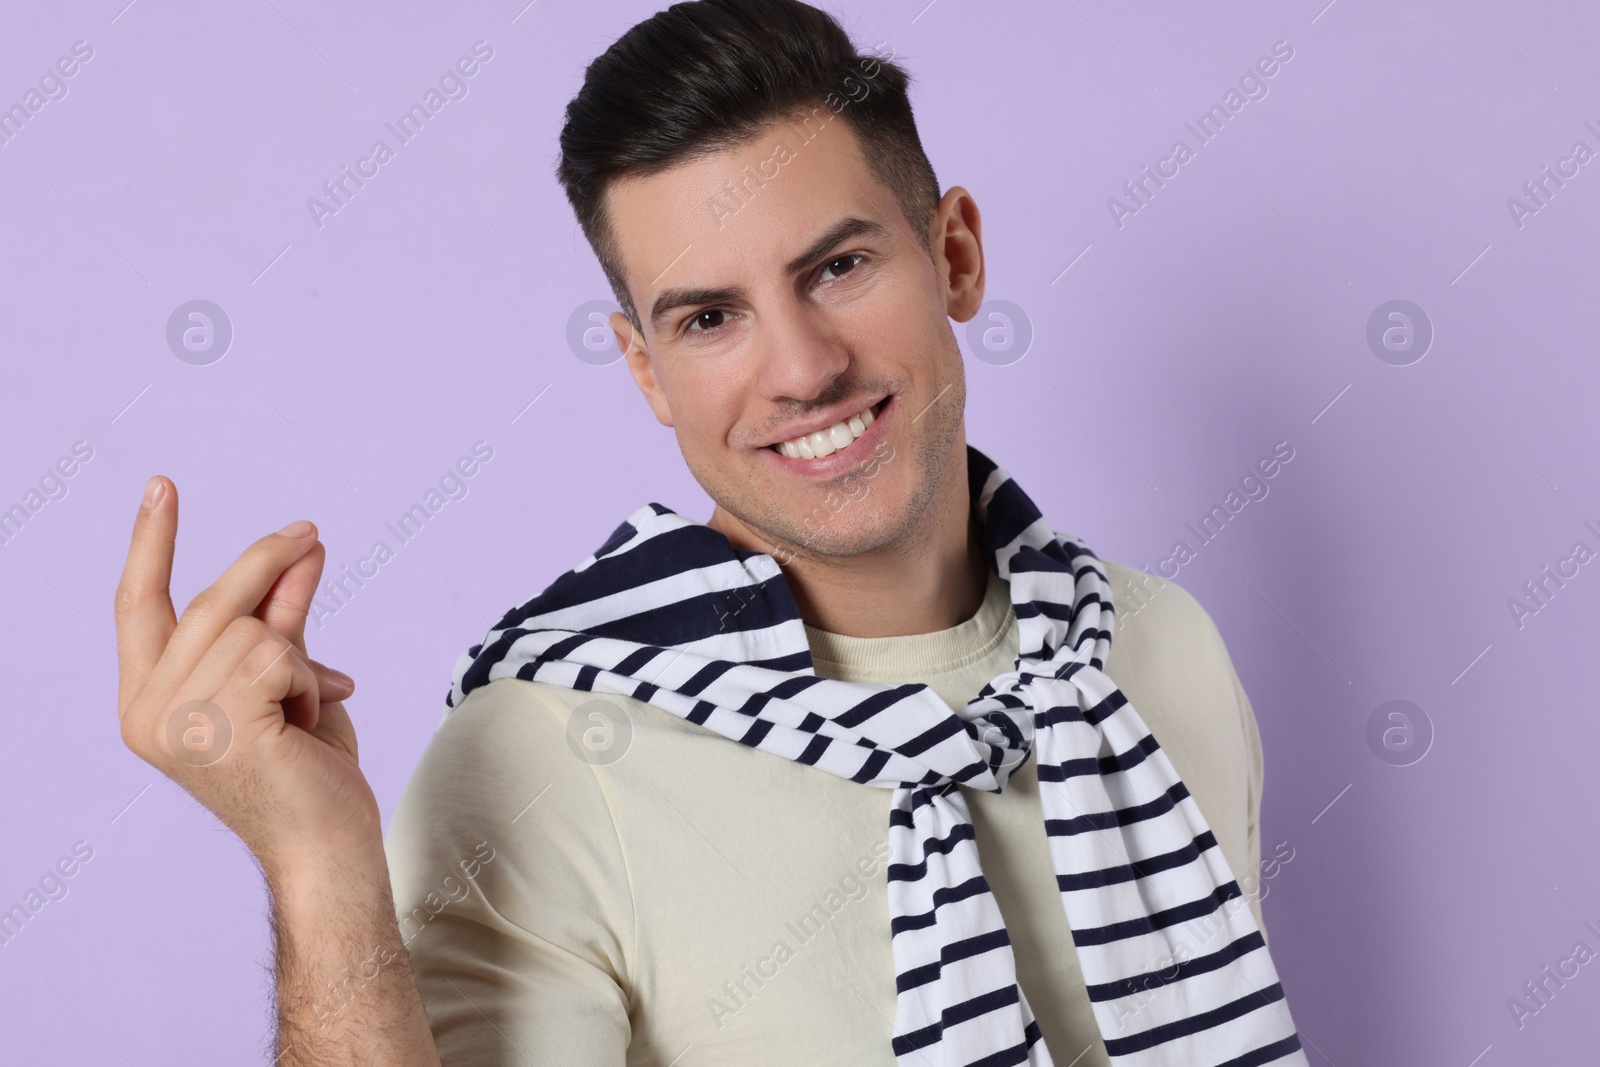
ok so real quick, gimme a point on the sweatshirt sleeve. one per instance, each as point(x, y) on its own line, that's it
point(1173, 664)
point(511, 889)
point(1252, 740)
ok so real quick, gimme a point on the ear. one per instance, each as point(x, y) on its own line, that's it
point(955, 237)
point(631, 344)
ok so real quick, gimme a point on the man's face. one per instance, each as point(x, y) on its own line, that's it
point(784, 298)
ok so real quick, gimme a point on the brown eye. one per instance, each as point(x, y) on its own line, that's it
point(707, 320)
point(840, 265)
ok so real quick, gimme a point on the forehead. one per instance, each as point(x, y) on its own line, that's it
point(716, 219)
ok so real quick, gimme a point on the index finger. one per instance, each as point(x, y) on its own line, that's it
point(237, 592)
point(289, 601)
point(143, 604)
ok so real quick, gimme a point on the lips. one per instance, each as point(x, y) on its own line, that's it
point(838, 437)
point(840, 462)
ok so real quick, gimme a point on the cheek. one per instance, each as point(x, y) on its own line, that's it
point(708, 400)
point(907, 318)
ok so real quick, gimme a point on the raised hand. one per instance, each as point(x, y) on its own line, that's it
point(226, 702)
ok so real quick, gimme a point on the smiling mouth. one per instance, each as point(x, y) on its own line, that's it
point(836, 438)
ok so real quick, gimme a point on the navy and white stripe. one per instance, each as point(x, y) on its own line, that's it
point(669, 612)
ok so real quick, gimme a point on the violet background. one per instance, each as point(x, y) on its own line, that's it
point(1227, 315)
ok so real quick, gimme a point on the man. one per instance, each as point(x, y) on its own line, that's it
point(584, 869)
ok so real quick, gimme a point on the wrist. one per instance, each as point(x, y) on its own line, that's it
point(345, 989)
point(306, 881)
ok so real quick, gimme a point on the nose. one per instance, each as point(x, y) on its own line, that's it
point(799, 353)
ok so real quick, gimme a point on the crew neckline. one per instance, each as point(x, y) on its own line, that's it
point(884, 659)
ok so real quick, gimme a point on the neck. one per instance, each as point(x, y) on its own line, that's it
point(931, 579)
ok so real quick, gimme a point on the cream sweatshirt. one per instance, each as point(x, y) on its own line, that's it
point(630, 888)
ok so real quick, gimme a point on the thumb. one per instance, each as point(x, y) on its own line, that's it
point(335, 730)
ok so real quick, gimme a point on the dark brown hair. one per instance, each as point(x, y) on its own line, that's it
point(705, 76)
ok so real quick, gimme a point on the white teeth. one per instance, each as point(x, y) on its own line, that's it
point(826, 442)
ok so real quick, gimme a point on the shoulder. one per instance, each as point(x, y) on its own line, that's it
point(504, 739)
point(1167, 648)
point(1160, 622)
point(1170, 661)
point(500, 781)
point(500, 771)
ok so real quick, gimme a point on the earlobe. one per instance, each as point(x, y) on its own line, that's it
point(644, 375)
point(956, 237)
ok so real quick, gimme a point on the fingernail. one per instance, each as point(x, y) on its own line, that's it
point(154, 490)
point(297, 528)
point(340, 677)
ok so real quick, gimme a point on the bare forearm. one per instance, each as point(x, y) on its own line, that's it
point(345, 989)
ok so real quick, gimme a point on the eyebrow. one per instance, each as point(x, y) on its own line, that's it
point(843, 230)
